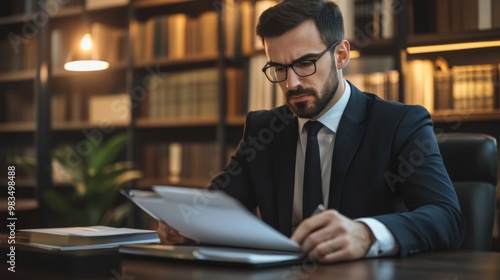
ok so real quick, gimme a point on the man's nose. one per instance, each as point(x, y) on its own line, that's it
point(293, 80)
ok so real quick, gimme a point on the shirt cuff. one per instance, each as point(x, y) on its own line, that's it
point(385, 244)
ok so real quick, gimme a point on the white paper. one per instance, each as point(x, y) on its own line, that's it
point(213, 217)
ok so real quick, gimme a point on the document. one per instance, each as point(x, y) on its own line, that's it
point(211, 217)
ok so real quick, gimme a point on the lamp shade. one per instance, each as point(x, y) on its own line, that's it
point(85, 56)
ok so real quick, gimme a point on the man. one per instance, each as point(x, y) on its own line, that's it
point(382, 176)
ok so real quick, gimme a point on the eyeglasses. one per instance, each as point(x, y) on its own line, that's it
point(277, 73)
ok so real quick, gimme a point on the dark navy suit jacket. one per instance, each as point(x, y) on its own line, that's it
point(386, 165)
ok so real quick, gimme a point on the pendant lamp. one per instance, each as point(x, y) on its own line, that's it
point(85, 56)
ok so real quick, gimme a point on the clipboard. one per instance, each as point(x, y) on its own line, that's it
point(211, 217)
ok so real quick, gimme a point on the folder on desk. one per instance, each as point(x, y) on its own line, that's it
point(213, 254)
point(212, 217)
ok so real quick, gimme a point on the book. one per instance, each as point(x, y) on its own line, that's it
point(92, 237)
point(114, 108)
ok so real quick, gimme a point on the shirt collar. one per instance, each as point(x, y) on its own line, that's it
point(331, 118)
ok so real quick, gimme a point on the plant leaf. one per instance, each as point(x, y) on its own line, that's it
point(106, 153)
point(56, 201)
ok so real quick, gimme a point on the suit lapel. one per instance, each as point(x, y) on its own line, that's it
point(347, 140)
point(284, 152)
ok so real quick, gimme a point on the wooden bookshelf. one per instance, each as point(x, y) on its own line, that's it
point(152, 123)
point(17, 127)
point(466, 116)
point(25, 75)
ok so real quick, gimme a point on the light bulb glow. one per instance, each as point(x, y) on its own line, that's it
point(86, 43)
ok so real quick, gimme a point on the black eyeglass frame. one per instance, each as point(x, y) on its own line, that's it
point(292, 65)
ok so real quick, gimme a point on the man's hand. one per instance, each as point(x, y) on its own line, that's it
point(331, 237)
point(170, 236)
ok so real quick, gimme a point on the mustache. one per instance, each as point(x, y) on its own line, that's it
point(301, 91)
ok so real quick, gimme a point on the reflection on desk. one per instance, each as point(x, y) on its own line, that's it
point(459, 265)
point(440, 266)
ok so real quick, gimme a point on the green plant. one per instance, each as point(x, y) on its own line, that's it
point(96, 183)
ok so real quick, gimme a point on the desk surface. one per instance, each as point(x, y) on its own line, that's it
point(458, 265)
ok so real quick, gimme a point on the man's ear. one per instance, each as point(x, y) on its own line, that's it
point(343, 54)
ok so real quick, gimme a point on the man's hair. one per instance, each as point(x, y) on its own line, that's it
point(288, 14)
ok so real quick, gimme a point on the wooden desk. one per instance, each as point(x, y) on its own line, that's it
point(460, 265)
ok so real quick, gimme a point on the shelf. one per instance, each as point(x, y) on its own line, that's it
point(16, 76)
point(15, 19)
point(17, 127)
point(66, 126)
point(21, 182)
point(451, 38)
point(79, 125)
point(147, 183)
point(465, 116)
point(151, 123)
point(152, 8)
point(68, 12)
point(21, 204)
point(236, 121)
point(374, 47)
point(184, 63)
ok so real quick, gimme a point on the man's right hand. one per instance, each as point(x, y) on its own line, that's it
point(170, 236)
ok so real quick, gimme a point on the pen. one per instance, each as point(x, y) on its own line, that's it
point(319, 209)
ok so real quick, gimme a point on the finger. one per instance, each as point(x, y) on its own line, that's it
point(168, 235)
point(163, 236)
point(329, 251)
point(306, 227)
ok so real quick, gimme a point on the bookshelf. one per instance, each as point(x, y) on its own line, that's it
point(215, 60)
point(463, 81)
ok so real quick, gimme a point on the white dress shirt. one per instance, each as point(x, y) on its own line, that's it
point(385, 244)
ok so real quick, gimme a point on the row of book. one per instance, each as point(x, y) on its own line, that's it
point(262, 94)
point(445, 16)
point(18, 106)
point(183, 95)
point(384, 84)
point(19, 7)
point(175, 161)
point(373, 19)
point(467, 87)
point(179, 35)
point(176, 36)
point(193, 95)
point(17, 53)
point(112, 108)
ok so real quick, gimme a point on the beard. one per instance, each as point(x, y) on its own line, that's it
point(320, 102)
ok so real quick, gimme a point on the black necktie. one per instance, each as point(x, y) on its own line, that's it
point(312, 189)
